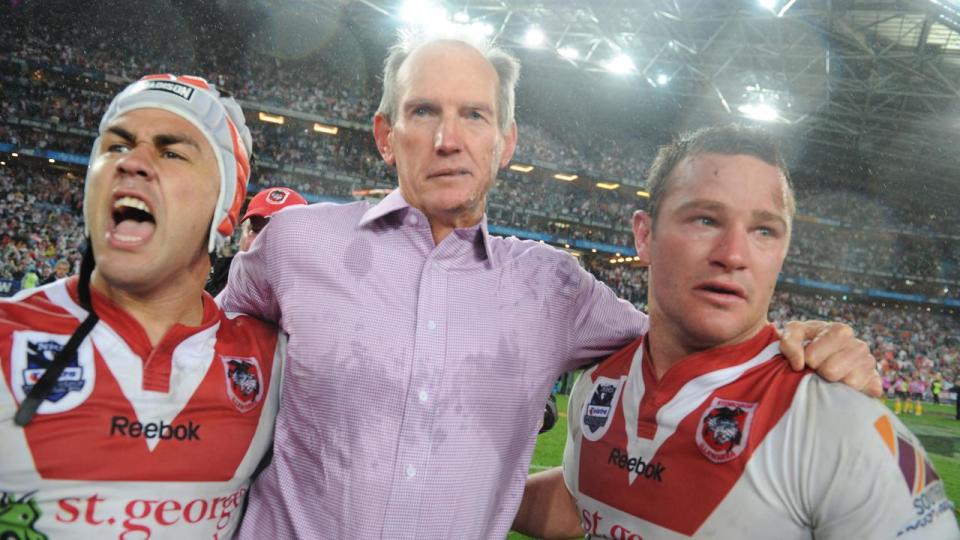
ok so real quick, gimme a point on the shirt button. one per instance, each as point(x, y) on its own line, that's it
point(432, 325)
point(424, 396)
point(412, 219)
point(411, 471)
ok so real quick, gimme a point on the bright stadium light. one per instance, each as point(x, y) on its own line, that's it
point(270, 118)
point(760, 111)
point(534, 37)
point(461, 17)
point(482, 28)
point(325, 129)
point(663, 79)
point(621, 64)
point(768, 4)
point(425, 14)
point(520, 168)
point(569, 53)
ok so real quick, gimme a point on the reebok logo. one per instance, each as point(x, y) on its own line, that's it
point(651, 471)
point(123, 426)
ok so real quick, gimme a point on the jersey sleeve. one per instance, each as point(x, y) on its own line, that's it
point(863, 473)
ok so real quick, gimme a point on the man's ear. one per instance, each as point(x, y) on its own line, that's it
point(509, 145)
point(381, 133)
point(642, 234)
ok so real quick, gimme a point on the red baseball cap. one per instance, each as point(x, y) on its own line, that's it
point(271, 200)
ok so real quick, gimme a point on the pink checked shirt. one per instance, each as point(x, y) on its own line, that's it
point(416, 373)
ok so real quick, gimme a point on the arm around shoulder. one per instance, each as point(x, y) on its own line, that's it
point(250, 286)
point(601, 323)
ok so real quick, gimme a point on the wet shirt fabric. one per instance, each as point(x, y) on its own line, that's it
point(417, 372)
point(731, 443)
point(134, 441)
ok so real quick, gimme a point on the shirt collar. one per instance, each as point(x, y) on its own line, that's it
point(394, 202)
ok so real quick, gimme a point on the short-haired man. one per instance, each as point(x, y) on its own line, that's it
point(423, 347)
point(698, 428)
point(131, 405)
point(264, 204)
point(60, 271)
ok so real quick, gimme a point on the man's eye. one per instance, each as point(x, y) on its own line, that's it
point(169, 154)
point(768, 231)
point(118, 148)
point(475, 115)
point(707, 221)
point(421, 111)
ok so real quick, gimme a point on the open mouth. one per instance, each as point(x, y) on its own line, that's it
point(133, 222)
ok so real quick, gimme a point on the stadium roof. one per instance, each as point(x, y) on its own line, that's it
point(874, 83)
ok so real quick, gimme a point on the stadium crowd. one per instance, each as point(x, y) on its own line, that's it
point(53, 88)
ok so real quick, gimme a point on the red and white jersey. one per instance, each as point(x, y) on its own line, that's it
point(731, 443)
point(134, 441)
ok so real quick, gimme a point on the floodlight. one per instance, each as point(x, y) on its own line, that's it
point(424, 13)
point(535, 37)
point(482, 28)
point(324, 128)
point(521, 168)
point(760, 111)
point(621, 64)
point(271, 118)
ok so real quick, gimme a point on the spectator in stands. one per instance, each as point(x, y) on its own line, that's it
point(60, 271)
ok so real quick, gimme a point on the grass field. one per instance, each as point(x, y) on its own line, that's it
point(937, 429)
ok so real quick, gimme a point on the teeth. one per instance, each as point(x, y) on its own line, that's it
point(131, 202)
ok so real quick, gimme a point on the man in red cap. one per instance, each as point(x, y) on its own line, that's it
point(263, 205)
point(131, 404)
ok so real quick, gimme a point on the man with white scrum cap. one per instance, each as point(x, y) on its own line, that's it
point(132, 404)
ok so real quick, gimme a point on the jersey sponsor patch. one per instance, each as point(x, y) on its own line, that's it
point(914, 464)
point(930, 499)
point(33, 352)
point(244, 381)
point(724, 429)
point(599, 410)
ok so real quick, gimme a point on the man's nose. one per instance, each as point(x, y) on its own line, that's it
point(136, 162)
point(731, 249)
point(448, 139)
